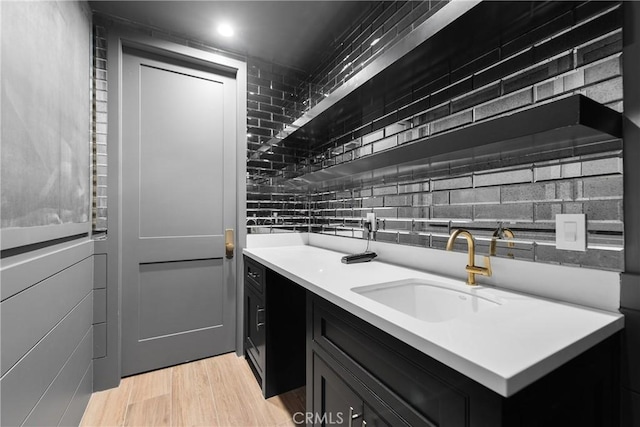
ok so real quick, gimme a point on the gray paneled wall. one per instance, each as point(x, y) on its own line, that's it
point(99, 306)
point(46, 296)
point(47, 335)
point(106, 358)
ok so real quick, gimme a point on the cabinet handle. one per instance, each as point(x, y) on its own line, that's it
point(258, 323)
point(352, 416)
point(364, 423)
point(253, 275)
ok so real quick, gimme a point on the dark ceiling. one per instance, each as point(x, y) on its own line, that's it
point(291, 33)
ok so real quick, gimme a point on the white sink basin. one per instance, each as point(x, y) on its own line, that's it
point(425, 300)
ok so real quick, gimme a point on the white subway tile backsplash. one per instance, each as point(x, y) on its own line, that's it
point(385, 144)
point(602, 166)
point(516, 211)
point(441, 198)
point(602, 187)
point(475, 195)
point(452, 121)
point(389, 189)
point(365, 150)
point(565, 190)
point(412, 188)
point(606, 91)
point(545, 173)
point(573, 80)
point(425, 199)
point(528, 192)
point(374, 136)
point(603, 70)
point(452, 183)
point(453, 212)
point(571, 170)
point(504, 104)
point(395, 128)
point(547, 211)
point(506, 177)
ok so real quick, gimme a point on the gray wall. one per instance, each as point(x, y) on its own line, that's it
point(47, 335)
point(46, 48)
point(46, 292)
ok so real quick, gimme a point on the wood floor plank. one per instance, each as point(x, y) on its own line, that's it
point(150, 384)
point(153, 412)
point(230, 392)
point(268, 413)
point(219, 392)
point(283, 407)
point(108, 407)
point(192, 402)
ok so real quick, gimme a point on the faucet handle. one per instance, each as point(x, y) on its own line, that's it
point(483, 271)
point(501, 233)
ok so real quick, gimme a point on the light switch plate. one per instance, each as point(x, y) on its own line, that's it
point(571, 232)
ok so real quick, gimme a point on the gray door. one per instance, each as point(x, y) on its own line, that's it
point(178, 197)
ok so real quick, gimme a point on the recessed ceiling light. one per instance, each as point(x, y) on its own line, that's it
point(225, 29)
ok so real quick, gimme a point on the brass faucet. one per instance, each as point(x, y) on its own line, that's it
point(499, 234)
point(471, 268)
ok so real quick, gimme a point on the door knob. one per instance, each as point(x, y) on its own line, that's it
point(228, 243)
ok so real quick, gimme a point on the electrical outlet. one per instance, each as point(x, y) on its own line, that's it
point(371, 219)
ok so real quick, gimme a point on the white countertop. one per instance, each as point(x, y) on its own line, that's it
point(505, 348)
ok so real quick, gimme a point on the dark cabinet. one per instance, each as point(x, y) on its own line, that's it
point(352, 364)
point(274, 329)
point(254, 329)
point(337, 403)
point(396, 388)
point(360, 376)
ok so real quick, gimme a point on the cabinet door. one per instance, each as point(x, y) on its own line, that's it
point(334, 402)
point(371, 418)
point(255, 329)
point(413, 389)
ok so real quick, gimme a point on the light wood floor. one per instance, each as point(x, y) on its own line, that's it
point(220, 391)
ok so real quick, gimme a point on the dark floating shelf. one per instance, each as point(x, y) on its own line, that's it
point(565, 123)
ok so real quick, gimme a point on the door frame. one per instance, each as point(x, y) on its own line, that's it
point(107, 370)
